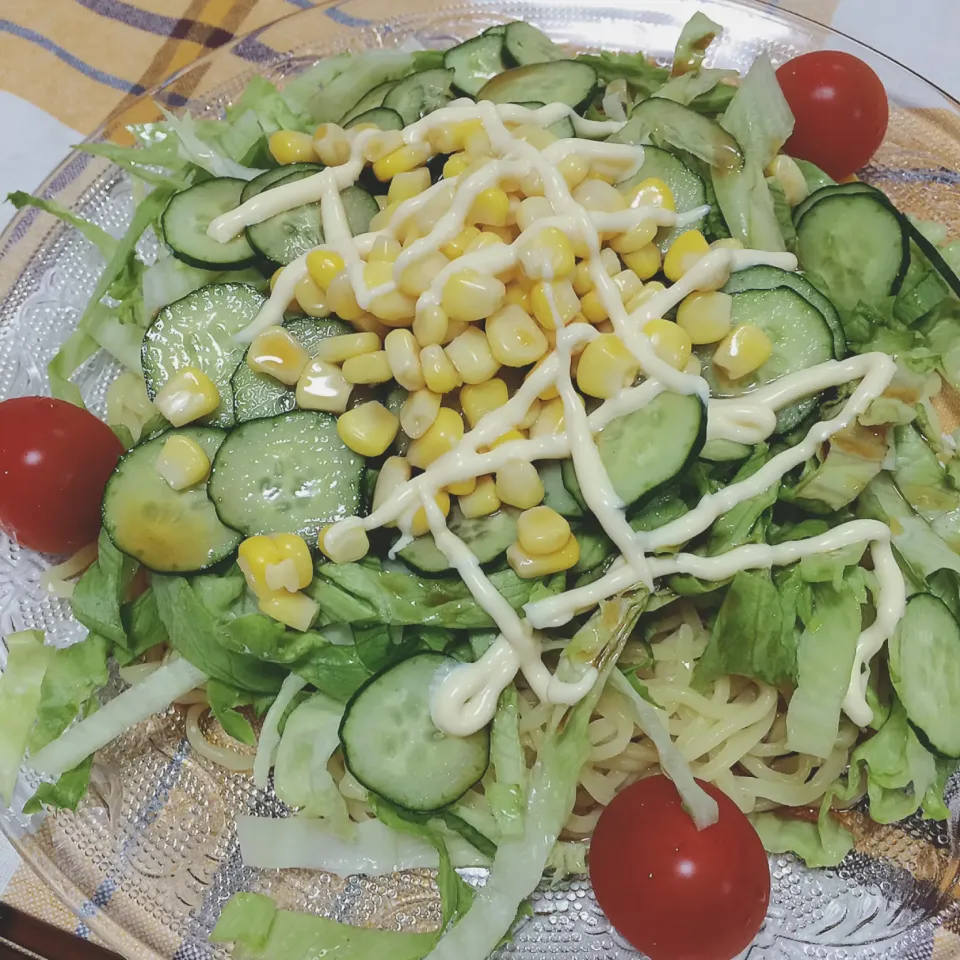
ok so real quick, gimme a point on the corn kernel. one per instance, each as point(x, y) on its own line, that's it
point(322, 386)
point(483, 501)
point(486, 238)
point(531, 416)
point(650, 192)
point(533, 209)
point(479, 399)
point(743, 350)
point(383, 219)
point(785, 171)
point(462, 488)
point(574, 169)
point(472, 357)
point(454, 329)
point(547, 255)
point(323, 266)
point(254, 556)
point(596, 194)
point(645, 262)
point(295, 610)
point(515, 338)
point(410, 184)
point(507, 437)
point(420, 525)
point(183, 463)
point(187, 396)
point(477, 144)
point(519, 484)
point(635, 238)
point(491, 207)
point(649, 290)
point(554, 303)
point(368, 429)
point(705, 316)
point(394, 308)
point(439, 372)
point(670, 342)
point(430, 325)
point(331, 144)
point(277, 353)
point(628, 283)
point(369, 368)
point(531, 185)
point(456, 165)
point(416, 278)
point(457, 247)
point(528, 565)
point(444, 434)
point(683, 254)
point(610, 262)
point(538, 137)
point(295, 554)
point(393, 474)
point(341, 299)
point(381, 145)
point(550, 419)
point(343, 544)
point(310, 298)
point(419, 412)
point(403, 355)
point(275, 276)
point(346, 345)
point(470, 296)
point(593, 307)
point(582, 280)
point(290, 146)
point(384, 249)
point(517, 295)
point(606, 366)
point(726, 243)
point(548, 392)
point(541, 530)
point(436, 206)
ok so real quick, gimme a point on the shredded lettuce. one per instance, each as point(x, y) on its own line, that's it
point(203, 153)
point(507, 792)
point(821, 844)
point(103, 241)
point(170, 279)
point(697, 34)
point(375, 850)
point(687, 87)
point(130, 413)
point(100, 592)
point(261, 932)
point(643, 76)
point(151, 696)
point(270, 731)
point(21, 686)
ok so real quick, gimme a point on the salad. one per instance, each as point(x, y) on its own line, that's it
point(537, 459)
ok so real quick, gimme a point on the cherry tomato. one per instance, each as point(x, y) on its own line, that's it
point(674, 892)
point(54, 463)
point(840, 108)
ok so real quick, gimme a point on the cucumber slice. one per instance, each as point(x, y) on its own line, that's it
point(925, 670)
point(831, 190)
point(524, 45)
point(474, 62)
point(260, 395)
point(383, 117)
point(561, 129)
point(650, 446)
point(555, 493)
point(765, 278)
point(198, 331)
point(422, 93)
point(687, 188)
point(269, 177)
point(285, 236)
point(286, 474)
point(671, 124)
point(167, 530)
point(562, 81)
point(487, 538)
point(497, 30)
point(720, 450)
point(856, 243)
point(391, 745)
point(186, 217)
point(801, 338)
point(370, 100)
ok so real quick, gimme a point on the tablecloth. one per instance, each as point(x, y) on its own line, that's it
point(66, 66)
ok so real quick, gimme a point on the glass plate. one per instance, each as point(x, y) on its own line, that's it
point(151, 854)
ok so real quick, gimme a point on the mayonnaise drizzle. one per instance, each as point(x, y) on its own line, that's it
point(466, 698)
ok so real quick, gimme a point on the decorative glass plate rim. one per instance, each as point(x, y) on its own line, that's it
point(20, 228)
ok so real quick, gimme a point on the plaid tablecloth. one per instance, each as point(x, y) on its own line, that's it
point(66, 66)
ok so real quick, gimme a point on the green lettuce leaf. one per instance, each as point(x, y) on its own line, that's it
point(821, 844)
point(754, 634)
point(261, 932)
point(224, 701)
point(507, 792)
point(642, 76)
point(21, 690)
point(813, 175)
point(66, 793)
point(100, 592)
point(144, 628)
point(103, 241)
point(697, 34)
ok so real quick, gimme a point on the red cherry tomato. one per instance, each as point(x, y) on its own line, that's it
point(840, 108)
point(674, 892)
point(54, 463)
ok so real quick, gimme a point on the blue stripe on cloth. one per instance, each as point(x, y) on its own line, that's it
point(302, 4)
point(108, 886)
point(348, 20)
point(131, 15)
point(940, 175)
point(108, 79)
